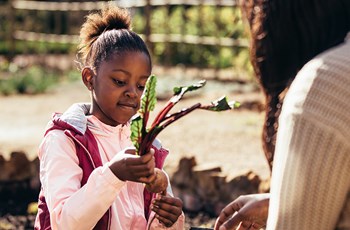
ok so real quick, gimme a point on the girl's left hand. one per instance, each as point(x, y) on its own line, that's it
point(167, 209)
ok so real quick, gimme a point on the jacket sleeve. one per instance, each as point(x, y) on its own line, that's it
point(72, 206)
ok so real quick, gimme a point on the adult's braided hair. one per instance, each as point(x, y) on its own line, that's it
point(285, 35)
point(105, 33)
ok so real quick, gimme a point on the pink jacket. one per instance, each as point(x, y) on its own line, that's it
point(73, 204)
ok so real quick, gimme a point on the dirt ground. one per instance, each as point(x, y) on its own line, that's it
point(228, 139)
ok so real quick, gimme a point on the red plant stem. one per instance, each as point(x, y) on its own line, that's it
point(163, 113)
point(148, 139)
point(144, 122)
point(178, 115)
point(154, 131)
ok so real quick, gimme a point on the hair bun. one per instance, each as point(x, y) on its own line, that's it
point(109, 18)
point(114, 17)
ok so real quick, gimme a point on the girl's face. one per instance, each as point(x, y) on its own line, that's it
point(117, 86)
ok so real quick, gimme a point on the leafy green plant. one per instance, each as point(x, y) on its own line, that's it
point(33, 80)
point(143, 136)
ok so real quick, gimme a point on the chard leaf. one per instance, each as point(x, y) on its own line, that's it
point(139, 122)
point(183, 89)
point(136, 131)
point(149, 99)
point(222, 104)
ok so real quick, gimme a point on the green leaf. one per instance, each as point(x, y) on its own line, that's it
point(139, 122)
point(183, 89)
point(149, 97)
point(222, 104)
point(136, 131)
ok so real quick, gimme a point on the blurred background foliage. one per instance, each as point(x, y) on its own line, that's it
point(198, 20)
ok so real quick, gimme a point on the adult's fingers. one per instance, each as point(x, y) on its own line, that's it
point(245, 225)
point(235, 222)
point(226, 214)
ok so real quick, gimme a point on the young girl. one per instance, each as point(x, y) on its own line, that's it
point(91, 178)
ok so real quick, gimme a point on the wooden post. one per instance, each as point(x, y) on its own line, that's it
point(11, 32)
point(167, 26)
point(218, 35)
point(148, 29)
point(200, 46)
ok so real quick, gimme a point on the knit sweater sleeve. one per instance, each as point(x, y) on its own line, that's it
point(310, 179)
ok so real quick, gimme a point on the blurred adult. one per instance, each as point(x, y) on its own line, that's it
point(299, 49)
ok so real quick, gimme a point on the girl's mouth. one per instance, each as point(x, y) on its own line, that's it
point(128, 105)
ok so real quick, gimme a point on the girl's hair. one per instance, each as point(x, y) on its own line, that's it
point(284, 36)
point(105, 33)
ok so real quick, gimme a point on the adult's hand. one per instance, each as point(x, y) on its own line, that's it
point(246, 212)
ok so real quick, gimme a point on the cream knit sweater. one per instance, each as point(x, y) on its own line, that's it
point(310, 185)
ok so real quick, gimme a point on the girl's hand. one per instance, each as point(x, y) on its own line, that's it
point(167, 209)
point(246, 212)
point(129, 166)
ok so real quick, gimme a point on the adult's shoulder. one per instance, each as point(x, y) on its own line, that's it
point(334, 62)
point(320, 91)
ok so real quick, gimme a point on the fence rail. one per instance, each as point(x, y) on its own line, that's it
point(17, 33)
point(87, 6)
point(173, 38)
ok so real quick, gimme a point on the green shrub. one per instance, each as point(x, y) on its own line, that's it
point(33, 80)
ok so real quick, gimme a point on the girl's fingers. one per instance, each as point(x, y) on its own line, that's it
point(139, 167)
point(170, 204)
point(166, 222)
point(168, 200)
point(166, 211)
point(131, 151)
point(137, 160)
point(168, 219)
point(142, 170)
point(148, 179)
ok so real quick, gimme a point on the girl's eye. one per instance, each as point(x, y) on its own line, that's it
point(118, 82)
point(141, 87)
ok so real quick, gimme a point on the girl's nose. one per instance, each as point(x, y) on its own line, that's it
point(131, 92)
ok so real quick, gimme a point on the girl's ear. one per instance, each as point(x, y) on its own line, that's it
point(87, 75)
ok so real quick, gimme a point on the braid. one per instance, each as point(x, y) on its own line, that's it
point(272, 112)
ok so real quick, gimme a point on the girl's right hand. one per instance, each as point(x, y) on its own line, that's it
point(129, 166)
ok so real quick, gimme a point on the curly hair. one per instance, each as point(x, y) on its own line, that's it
point(108, 32)
point(285, 35)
